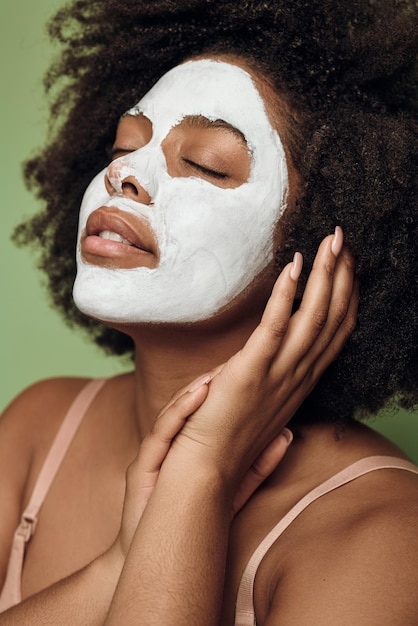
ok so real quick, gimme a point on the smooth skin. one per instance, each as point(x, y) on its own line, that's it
point(180, 543)
point(174, 567)
point(151, 520)
point(95, 489)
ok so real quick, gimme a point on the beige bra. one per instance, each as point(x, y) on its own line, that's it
point(244, 615)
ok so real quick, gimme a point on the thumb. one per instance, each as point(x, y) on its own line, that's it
point(261, 469)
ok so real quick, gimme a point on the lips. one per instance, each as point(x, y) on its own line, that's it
point(117, 239)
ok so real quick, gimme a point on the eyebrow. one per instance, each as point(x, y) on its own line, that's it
point(200, 121)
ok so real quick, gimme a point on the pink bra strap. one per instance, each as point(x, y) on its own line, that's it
point(11, 590)
point(59, 448)
point(244, 612)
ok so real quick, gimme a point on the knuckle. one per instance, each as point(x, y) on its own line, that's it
point(340, 312)
point(286, 294)
point(318, 318)
point(156, 433)
point(350, 323)
point(329, 268)
point(273, 334)
point(277, 332)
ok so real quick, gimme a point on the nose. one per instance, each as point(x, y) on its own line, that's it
point(128, 186)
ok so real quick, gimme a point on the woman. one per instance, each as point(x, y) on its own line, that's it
point(247, 134)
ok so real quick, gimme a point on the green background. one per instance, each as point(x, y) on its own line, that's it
point(35, 343)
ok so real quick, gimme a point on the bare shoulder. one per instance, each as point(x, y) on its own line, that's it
point(41, 395)
point(353, 556)
point(28, 425)
point(35, 414)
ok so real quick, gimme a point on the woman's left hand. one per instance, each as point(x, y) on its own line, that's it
point(175, 562)
point(253, 395)
point(260, 388)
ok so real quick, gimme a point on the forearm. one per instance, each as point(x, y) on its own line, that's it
point(174, 571)
point(82, 599)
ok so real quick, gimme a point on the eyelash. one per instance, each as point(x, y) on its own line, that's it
point(113, 153)
point(205, 170)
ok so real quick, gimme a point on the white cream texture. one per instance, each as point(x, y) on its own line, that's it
point(213, 242)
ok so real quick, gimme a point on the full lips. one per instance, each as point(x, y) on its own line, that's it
point(143, 249)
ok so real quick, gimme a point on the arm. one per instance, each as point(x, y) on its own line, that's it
point(204, 503)
point(84, 597)
point(174, 571)
point(81, 599)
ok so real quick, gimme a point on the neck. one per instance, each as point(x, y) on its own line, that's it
point(320, 450)
point(168, 358)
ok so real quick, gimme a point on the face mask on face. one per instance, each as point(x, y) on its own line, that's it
point(206, 243)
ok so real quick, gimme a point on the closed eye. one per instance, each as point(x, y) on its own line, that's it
point(205, 170)
point(115, 153)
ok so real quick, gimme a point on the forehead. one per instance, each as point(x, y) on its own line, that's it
point(213, 89)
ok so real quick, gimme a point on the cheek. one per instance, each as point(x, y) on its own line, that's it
point(229, 224)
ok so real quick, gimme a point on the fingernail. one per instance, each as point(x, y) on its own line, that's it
point(200, 382)
point(297, 265)
point(337, 242)
point(288, 435)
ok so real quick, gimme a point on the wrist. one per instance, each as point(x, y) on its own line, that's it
point(218, 465)
point(198, 471)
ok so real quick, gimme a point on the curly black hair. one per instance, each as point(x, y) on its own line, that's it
point(347, 70)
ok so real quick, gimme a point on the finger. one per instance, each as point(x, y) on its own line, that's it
point(343, 303)
point(342, 308)
point(312, 314)
point(261, 469)
point(203, 379)
point(309, 320)
point(273, 333)
point(143, 472)
point(334, 347)
point(309, 377)
point(156, 444)
point(266, 339)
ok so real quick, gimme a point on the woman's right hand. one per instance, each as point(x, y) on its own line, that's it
point(142, 474)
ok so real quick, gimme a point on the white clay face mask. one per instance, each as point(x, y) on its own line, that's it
point(210, 242)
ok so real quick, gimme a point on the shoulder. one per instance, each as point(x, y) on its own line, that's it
point(27, 428)
point(355, 556)
point(49, 389)
point(40, 406)
point(32, 419)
